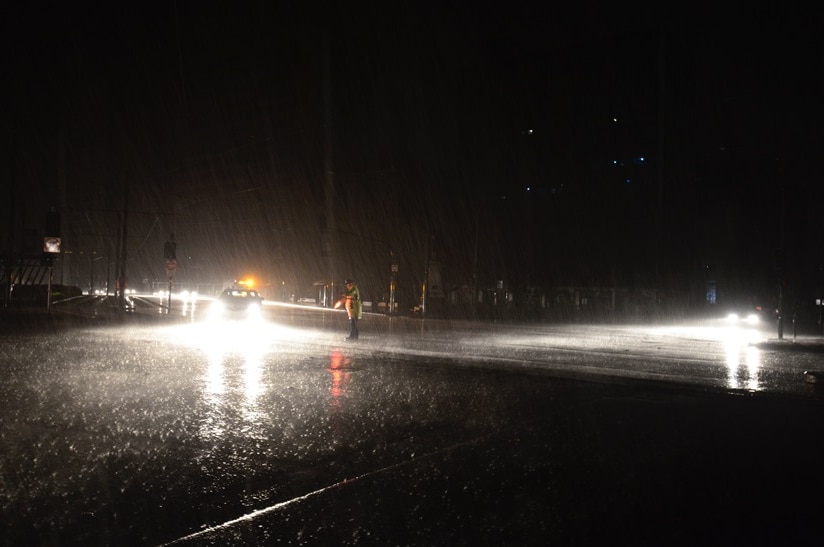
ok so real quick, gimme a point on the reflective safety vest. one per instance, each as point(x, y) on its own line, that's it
point(354, 306)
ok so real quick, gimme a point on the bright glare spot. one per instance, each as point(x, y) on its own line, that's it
point(742, 374)
point(187, 297)
point(228, 347)
point(216, 310)
point(720, 331)
point(736, 335)
point(737, 341)
point(249, 283)
point(749, 319)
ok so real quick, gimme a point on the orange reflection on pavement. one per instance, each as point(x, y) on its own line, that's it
point(339, 368)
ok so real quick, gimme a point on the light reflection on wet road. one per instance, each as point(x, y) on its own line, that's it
point(144, 434)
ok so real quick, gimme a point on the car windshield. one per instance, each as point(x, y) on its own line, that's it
point(240, 293)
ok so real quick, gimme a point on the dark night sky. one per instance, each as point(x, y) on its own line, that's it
point(212, 115)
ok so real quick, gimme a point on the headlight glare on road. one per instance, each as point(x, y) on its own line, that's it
point(217, 310)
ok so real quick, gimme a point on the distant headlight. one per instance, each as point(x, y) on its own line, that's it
point(749, 319)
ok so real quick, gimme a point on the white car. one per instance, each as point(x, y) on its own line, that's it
point(745, 315)
point(237, 303)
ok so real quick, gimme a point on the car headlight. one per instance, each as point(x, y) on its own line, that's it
point(748, 319)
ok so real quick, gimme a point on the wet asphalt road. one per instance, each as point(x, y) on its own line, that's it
point(167, 432)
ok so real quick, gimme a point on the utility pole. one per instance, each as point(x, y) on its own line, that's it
point(425, 287)
point(782, 262)
point(391, 310)
point(170, 254)
point(328, 243)
point(659, 197)
point(121, 254)
point(52, 246)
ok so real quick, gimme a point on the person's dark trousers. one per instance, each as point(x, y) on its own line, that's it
point(353, 329)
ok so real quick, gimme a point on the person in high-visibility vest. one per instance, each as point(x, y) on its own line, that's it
point(354, 307)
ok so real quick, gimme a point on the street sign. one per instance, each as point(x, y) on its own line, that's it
point(171, 266)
